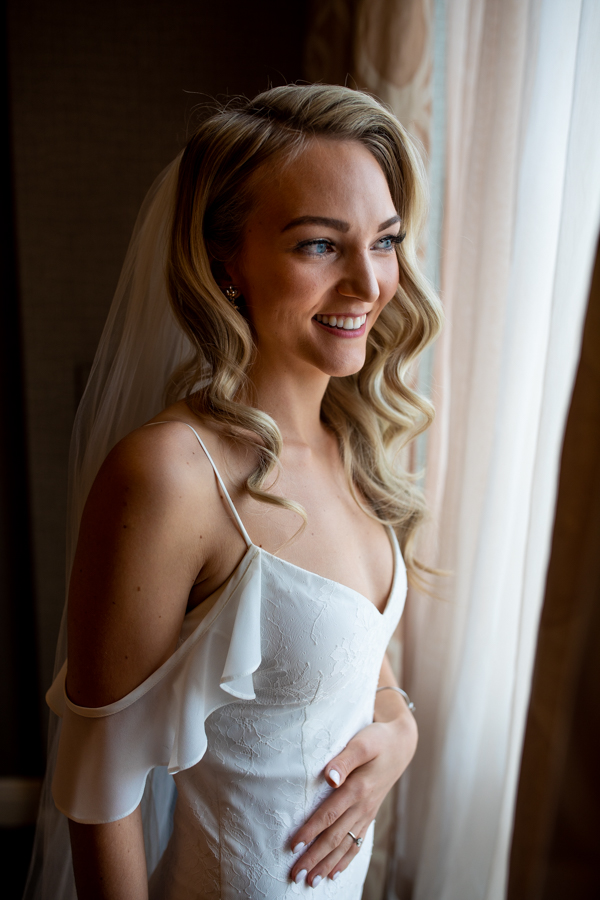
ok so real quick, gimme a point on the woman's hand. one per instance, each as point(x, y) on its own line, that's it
point(368, 767)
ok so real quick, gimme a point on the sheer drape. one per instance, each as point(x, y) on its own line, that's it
point(521, 220)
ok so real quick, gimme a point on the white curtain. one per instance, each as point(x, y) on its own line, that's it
point(522, 211)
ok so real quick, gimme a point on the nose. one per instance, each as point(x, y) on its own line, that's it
point(358, 279)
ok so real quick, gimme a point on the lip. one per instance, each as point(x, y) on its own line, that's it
point(340, 332)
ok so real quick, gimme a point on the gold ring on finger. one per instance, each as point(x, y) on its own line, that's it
point(357, 840)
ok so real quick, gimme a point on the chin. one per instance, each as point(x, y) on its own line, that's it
point(340, 368)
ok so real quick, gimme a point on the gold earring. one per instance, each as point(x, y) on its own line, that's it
point(232, 293)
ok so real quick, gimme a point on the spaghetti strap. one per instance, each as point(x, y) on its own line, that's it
point(236, 515)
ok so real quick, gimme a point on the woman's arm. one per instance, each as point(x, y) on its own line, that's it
point(368, 767)
point(137, 557)
point(109, 861)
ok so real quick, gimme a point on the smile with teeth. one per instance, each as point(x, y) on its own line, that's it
point(347, 323)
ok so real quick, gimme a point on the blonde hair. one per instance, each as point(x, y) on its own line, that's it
point(373, 413)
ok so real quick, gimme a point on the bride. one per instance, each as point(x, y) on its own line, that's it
point(238, 570)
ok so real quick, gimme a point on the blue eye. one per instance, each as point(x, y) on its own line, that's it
point(390, 241)
point(318, 247)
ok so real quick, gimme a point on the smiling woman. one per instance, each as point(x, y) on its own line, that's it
point(242, 650)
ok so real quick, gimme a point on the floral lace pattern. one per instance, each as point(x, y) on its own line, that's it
point(262, 775)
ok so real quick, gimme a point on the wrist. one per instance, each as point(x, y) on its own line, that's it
point(392, 702)
point(394, 687)
point(390, 706)
point(400, 726)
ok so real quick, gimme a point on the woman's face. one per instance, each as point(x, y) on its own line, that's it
point(318, 260)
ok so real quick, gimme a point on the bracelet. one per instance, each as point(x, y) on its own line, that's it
point(391, 687)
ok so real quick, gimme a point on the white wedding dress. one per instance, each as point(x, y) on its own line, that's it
point(273, 675)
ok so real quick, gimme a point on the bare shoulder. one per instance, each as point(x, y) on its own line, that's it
point(164, 461)
point(139, 552)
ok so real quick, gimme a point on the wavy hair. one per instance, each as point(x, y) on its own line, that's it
point(373, 413)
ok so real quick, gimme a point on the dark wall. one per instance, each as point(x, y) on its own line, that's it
point(20, 752)
point(102, 96)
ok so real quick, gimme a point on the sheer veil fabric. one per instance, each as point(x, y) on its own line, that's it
point(140, 348)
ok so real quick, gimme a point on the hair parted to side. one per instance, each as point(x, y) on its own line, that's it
point(375, 412)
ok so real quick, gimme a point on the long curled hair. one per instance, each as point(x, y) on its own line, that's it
point(373, 413)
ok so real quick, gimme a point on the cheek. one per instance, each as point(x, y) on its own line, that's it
point(388, 282)
point(280, 292)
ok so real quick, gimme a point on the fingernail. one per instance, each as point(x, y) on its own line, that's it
point(335, 776)
point(300, 876)
point(299, 847)
point(337, 875)
point(317, 880)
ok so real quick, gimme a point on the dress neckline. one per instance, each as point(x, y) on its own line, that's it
point(338, 584)
point(254, 549)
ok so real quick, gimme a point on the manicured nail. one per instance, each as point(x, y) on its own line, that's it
point(299, 847)
point(337, 875)
point(300, 876)
point(317, 880)
point(335, 776)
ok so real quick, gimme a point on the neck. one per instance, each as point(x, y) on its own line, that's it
point(292, 399)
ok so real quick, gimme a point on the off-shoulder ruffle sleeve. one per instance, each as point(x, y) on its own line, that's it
point(105, 753)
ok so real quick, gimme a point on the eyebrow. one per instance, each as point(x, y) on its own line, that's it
point(336, 224)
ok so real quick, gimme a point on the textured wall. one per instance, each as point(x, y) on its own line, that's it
point(102, 97)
